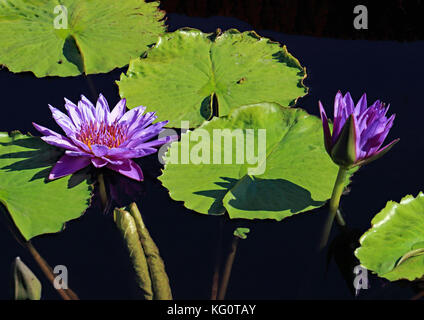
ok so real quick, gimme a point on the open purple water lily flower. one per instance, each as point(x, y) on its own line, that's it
point(358, 132)
point(95, 135)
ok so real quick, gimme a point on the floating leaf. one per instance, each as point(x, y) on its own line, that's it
point(128, 228)
point(35, 205)
point(186, 70)
point(295, 175)
point(393, 247)
point(26, 284)
point(66, 38)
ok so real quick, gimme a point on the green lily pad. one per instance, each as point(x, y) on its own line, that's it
point(188, 73)
point(36, 206)
point(295, 174)
point(69, 37)
point(393, 247)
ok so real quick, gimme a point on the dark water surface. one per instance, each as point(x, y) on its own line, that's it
point(277, 261)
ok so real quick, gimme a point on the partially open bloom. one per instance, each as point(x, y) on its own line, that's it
point(358, 132)
point(95, 135)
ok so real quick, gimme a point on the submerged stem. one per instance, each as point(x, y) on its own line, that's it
point(334, 205)
point(218, 258)
point(227, 269)
point(66, 294)
point(102, 191)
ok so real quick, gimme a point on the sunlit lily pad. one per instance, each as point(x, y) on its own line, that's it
point(189, 73)
point(66, 38)
point(296, 175)
point(394, 246)
point(35, 206)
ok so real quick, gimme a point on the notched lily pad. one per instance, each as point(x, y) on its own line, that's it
point(180, 74)
point(38, 206)
point(69, 37)
point(289, 171)
point(394, 246)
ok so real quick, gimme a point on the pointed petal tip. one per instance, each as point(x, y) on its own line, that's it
point(321, 108)
point(68, 101)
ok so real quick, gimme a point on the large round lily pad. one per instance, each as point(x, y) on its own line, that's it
point(295, 174)
point(35, 205)
point(394, 246)
point(188, 73)
point(69, 37)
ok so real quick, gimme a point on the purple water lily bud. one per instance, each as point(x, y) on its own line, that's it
point(95, 135)
point(358, 131)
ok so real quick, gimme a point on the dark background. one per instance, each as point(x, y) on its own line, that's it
point(277, 261)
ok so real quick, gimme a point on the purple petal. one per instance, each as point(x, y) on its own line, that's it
point(129, 153)
point(129, 169)
point(145, 133)
point(63, 121)
point(98, 162)
point(80, 144)
point(55, 139)
point(374, 142)
point(361, 106)
point(99, 150)
point(148, 118)
point(68, 165)
point(349, 103)
point(357, 138)
point(78, 154)
point(45, 131)
point(118, 111)
point(102, 109)
point(337, 103)
point(73, 112)
point(141, 122)
point(132, 115)
point(159, 142)
point(60, 142)
point(340, 116)
point(86, 110)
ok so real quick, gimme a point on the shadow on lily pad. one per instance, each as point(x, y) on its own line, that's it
point(39, 156)
point(256, 194)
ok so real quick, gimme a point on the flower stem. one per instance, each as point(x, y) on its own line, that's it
point(334, 205)
point(66, 294)
point(102, 190)
point(218, 258)
point(227, 270)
